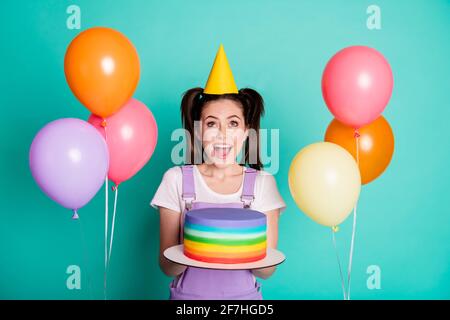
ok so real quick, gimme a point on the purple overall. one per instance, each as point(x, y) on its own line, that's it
point(211, 284)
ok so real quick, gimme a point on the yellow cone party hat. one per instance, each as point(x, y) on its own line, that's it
point(220, 79)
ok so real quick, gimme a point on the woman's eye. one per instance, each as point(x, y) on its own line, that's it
point(210, 124)
point(234, 123)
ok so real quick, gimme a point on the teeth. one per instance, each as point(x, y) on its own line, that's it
point(222, 149)
point(222, 146)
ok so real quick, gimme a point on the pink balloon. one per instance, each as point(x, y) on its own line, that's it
point(357, 85)
point(131, 135)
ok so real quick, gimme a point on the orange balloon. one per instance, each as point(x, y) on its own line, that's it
point(376, 145)
point(102, 69)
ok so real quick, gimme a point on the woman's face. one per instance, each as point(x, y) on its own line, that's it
point(223, 131)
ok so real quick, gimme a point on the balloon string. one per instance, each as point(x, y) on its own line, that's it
point(116, 190)
point(351, 252)
point(339, 263)
point(106, 219)
point(352, 244)
point(85, 256)
point(106, 236)
point(357, 135)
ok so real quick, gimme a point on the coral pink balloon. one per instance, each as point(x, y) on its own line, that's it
point(357, 85)
point(131, 135)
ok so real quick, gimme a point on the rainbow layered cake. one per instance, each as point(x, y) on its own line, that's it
point(225, 235)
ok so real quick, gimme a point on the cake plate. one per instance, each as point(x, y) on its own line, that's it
point(273, 258)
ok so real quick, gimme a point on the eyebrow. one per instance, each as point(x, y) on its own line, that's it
point(234, 115)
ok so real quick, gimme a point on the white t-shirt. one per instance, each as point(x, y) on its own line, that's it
point(168, 195)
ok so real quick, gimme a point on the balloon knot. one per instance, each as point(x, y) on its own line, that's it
point(114, 188)
point(335, 228)
point(357, 135)
point(103, 123)
point(75, 215)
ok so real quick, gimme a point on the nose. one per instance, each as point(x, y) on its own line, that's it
point(222, 132)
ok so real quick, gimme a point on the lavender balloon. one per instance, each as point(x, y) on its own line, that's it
point(69, 160)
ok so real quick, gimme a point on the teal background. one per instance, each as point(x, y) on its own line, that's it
point(279, 48)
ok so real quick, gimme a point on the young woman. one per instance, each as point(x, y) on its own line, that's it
point(221, 119)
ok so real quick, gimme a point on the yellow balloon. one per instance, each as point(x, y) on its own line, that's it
point(325, 182)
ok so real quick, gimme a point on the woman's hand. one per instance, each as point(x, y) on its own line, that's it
point(272, 240)
point(169, 226)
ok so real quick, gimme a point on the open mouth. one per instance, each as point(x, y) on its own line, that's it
point(221, 151)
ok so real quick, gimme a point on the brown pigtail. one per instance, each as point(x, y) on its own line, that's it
point(190, 112)
point(253, 105)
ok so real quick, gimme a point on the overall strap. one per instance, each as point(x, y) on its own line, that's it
point(188, 195)
point(248, 189)
point(188, 192)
